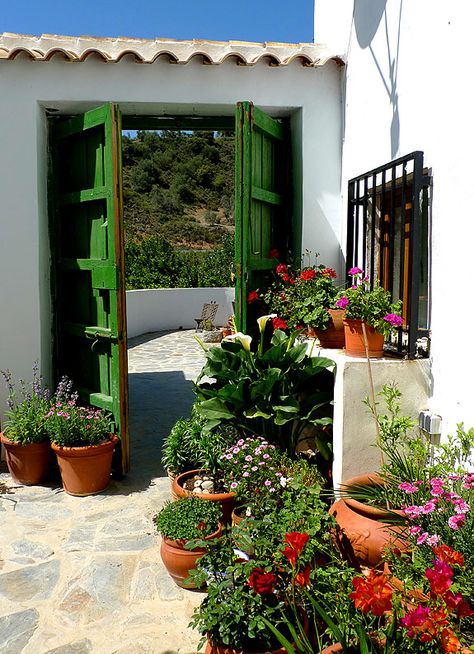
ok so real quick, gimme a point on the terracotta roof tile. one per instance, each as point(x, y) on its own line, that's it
point(112, 50)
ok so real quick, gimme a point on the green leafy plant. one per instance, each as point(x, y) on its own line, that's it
point(277, 392)
point(26, 419)
point(189, 446)
point(71, 425)
point(188, 518)
point(373, 306)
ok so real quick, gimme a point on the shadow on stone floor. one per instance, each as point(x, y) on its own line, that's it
point(156, 401)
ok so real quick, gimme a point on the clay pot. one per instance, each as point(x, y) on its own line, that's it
point(226, 500)
point(364, 531)
point(86, 470)
point(178, 561)
point(354, 338)
point(224, 649)
point(333, 336)
point(27, 464)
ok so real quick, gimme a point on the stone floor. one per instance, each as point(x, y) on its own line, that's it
point(80, 575)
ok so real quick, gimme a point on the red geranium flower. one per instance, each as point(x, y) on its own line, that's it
point(302, 577)
point(262, 582)
point(279, 323)
point(281, 269)
point(252, 297)
point(458, 604)
point(448, 555)
point(273, 254)
point(440, 577)
point(372, 594)
point(329, 272)
point(307, 274)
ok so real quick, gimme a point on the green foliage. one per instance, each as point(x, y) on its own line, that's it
point(178, 186)
point(188, 518)
point(276, 392)
point(26, 418)
point(154, 263)
point(187, 448)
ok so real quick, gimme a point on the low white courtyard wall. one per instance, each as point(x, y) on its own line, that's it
point(160, 309)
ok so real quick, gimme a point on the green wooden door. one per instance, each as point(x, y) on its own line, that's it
point(87, 253)
point(262, 222)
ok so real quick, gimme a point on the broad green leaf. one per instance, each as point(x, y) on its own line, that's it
point(255, 412)
point(214, 408)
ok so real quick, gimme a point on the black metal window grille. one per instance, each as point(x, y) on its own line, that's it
point(388, 237)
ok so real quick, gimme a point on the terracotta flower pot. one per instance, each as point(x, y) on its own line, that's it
point(364, 531)
point(178, 561)
point(354, 338)
point(224, 649)
point(333, 336)
point(27, 464)
point(226, 500)
point(86, 470)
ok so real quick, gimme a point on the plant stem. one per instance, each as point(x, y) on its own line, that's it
point(372, 395)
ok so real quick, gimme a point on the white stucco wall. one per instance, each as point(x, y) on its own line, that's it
point(310, 95)
point(407, 89)
point(159, 309)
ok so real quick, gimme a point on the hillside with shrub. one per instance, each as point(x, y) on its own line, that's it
point(178, 204)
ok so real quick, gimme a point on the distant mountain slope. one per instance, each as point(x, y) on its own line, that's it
point(179, 186)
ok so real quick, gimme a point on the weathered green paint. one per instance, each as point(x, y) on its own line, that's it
point(261, 211)
point(87, 248)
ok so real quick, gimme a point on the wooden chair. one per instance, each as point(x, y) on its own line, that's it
point(209, 311)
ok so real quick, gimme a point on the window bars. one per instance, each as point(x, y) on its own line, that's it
point(388, 237)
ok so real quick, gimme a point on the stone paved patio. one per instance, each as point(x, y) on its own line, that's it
point(80, 575)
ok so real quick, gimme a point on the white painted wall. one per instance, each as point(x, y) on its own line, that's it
point(160, 309)
point(27, 88)
point(408, 88)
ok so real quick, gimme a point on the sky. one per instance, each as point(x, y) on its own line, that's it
point(246, 20)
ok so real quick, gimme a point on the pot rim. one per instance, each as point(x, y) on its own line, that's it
point(369, 479)
point(179, 544)
point(6, 441)
point(205, 496)
point(113, 439)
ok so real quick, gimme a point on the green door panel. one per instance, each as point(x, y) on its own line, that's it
point(262, 207)
point(87, 256)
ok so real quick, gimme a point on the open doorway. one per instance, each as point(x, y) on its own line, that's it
point(87, 243)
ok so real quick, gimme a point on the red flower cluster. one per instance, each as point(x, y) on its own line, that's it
point(253, 296)
point(296, 544)
point(329, 272)
point(279, 323)
point(372, 594)
point(308, 274)
point(262, 582)
point(440, 577)
point(281, 269)
point(448, 555)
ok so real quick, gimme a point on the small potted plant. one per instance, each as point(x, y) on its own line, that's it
point(369, 310)
point(82, 441)
point(180, 522)
point(25, 437)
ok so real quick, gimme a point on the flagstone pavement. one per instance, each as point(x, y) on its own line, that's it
point(84, 575)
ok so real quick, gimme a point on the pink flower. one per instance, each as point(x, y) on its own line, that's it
point(248, 457)
point(267, 482)
point(410, 487)
point(460, 506)
point(253, 468)
point(439, 577)
point(355, 271)
point(414, 530)
point(421, 539)
point(456, 521)
point(437, 486)
point(413, 512)
point(393, 319)
point(429, 507)
point(433, 540)
point(342, 303)
point(245, 474)
point(234, 485)
point(469, 481)
point(415, 618)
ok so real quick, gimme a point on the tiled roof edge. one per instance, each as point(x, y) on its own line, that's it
point(113, 50)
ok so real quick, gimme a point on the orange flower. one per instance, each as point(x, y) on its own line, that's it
point(302, 578)
point(448, 555)
point(372, 593)
point(448, 641)
point(296, 544)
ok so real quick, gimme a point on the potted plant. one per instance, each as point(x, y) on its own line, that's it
point(304, 298)
point(81, 439)
point(278, 392)
point(25, 438)
point(370, 311)
point(179, 523)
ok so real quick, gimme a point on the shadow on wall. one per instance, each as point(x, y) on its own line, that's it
point(368, 15)
point(156, 401)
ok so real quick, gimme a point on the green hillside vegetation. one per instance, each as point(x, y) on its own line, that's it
point(178, 201)
point(179, 186)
